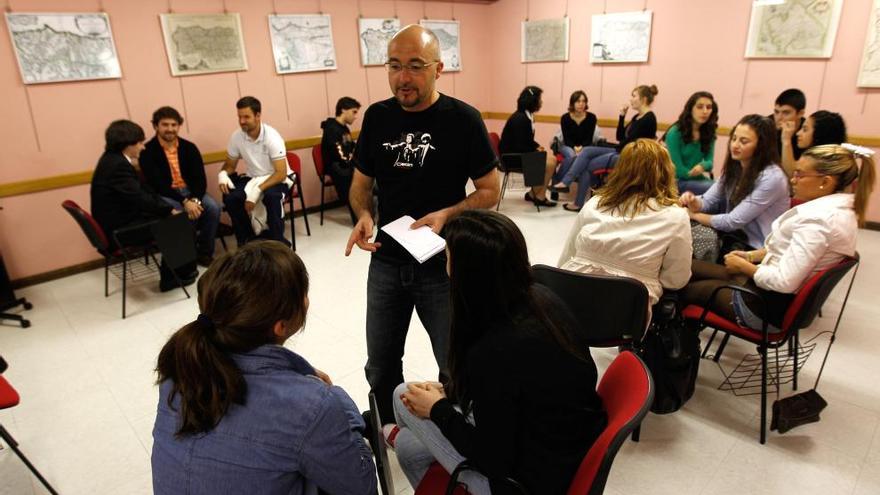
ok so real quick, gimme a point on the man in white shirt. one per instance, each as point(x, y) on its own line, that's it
point(263, 151)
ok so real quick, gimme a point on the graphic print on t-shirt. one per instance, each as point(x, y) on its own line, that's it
point(412, 149)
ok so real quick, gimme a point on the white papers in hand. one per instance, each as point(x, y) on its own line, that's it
point(422, 242)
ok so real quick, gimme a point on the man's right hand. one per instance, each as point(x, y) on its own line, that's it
point(361, 235)
point(788, 130)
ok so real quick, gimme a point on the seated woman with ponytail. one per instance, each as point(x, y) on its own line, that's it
point(813, 236)
point(240, 413)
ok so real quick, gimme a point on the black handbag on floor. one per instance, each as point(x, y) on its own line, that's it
point(671, 349)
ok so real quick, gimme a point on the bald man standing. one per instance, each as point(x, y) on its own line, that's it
point(420, 147)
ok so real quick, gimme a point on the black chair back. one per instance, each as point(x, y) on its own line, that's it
point(810, 298)
point(176, 240)
point(89, 226)
point(609, 310)
point(531, 165)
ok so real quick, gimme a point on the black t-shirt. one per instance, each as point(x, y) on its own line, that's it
point(421, 161)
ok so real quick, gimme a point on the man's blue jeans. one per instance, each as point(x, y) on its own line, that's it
point(393, 290)
point(206, 224)
point(241, 220)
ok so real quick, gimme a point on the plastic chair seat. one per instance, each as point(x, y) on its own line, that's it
point(8, 396)
point(693, 312)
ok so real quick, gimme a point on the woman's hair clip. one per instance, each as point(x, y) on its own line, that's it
point(859, 151)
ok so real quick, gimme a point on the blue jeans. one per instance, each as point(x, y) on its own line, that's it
point(393, 290)
point(206, 224)
point(419, 443)
point(241, 221)
point(568, 156)
point(697, 187)
point(589, 160)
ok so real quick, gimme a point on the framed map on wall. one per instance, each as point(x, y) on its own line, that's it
point(545, 40)
point(793, 29)
point(203, 43)
point(374, 35)
point(621, 37)
point(450, 42)
point(302, 43)
point(869, 72)
point(63, 47)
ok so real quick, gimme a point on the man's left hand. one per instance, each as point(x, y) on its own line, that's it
point(420, 398)
point(435, 220)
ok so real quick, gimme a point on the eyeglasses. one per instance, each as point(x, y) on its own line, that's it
point(800, 175)
point(412, 67)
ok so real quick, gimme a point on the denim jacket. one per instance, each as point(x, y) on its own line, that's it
point(293, 435)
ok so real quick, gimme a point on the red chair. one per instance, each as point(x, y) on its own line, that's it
point(112, 252)
point(627, 392)
point(9, 398)
point(326, 180)
point(495, 141)
point(800, 314)
point(296, 191)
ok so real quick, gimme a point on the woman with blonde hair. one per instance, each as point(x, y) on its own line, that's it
point(633, 226)
point(809, 238)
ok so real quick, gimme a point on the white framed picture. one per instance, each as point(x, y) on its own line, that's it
point(622, 37)
point(869, 71)
point(373, 36)
point(448, 33)
point(203, 43)
point(545, 40)
point(63, 47)
point(302, 43)
point(793, 29)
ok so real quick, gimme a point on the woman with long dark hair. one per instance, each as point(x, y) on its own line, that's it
point(821, 127)
point(752, 192)
point(240, 413)
point(691, 142)
point(521, 403)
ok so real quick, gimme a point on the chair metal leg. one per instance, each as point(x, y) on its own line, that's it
point(292, 226)
point(794, 375)
point(106, 276)
point(709, 343)
point(302, 203)
point(223, 243)
point(764, 394)
point(503, 188)
point(124, 279)
point(636, 433)
point(14, 446)
point(322, 201)
point(721, 347)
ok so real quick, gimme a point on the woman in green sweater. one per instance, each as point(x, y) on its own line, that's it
point(691, 143)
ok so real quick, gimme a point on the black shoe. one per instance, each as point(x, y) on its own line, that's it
point(166, 284)
point(204, 260)
point(563, 189)
point(554, 195)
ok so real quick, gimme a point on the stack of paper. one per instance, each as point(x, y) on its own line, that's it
point(422, 242)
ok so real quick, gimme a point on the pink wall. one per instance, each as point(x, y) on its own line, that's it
point(695, 45)
point(62, 132)
point(54, 129)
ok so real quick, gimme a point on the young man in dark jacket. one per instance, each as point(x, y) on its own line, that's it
point(173, 167)
point(337, 147)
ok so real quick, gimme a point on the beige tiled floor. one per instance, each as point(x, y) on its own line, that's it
point(88, 398)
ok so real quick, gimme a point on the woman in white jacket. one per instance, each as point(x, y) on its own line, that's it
point(633, 226)
point(806, 239)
